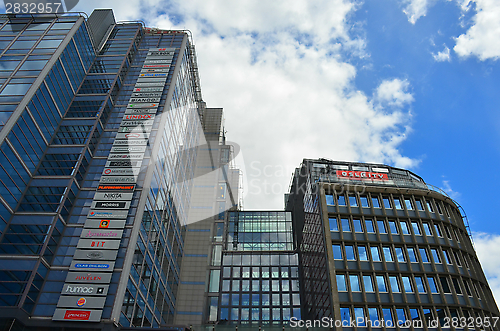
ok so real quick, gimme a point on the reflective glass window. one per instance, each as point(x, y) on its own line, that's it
point(367, 281)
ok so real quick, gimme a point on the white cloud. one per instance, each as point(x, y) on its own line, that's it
point(482, 39)
point(443, 56)
point(447, 188)
point(280, 71)
point(415, 9)
point(488, 249)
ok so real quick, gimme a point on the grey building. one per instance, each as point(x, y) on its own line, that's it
point(378, 244)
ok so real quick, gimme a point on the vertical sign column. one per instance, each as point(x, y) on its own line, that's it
point(86, 287)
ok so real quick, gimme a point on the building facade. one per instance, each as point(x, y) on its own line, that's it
point(102, 128)
point(380, 246)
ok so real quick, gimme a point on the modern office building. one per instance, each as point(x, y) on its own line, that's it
point(257, 283)
point(378, 243)
point(104, 144)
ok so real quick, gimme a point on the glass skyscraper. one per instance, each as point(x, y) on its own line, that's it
point(102, 124)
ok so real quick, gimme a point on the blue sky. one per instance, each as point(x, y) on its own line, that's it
point(409, 83)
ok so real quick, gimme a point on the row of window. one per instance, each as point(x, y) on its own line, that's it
point(386, 226)
point(401, 283)
point(399, 254)
point(387, 202)
point(406, 318)
point(262, 272)
point(264, 299)
point(236, 285)
point(266, 315)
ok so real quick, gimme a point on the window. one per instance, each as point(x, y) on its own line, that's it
point(408, 204)
point(411, 254)
point(407, 284)
point(354, 280)
point(419, 204)
point(427, 229)
point(349, 253)
point(438, 206)
point(416, 229)
point(359, 315)
point(414, 315)
point(400, 314)
point(375, 202)
point(353, 201)
point(363, 255)
point(438, 230)
point(420, 285)
point(367, 280)
point(393, 280)
point(429, 206)
point(364, 201)
point(400, 254)
point(435, 255)
point(341, 285)
point(357, 225)
point(341, 200)
point(388, 254)
point(389, 322)
point(404, 227)
point(423, 255)
point(373, 316)
point(346, 226)
point(432, 285)
point(392, 227)
point(381, 227)
point(345, 314)
point(397, 203)
point(387, 203)
point(329, 199)
point(375, 253)
point(337, 252)
point(369, 226)
point(333, 224)
point(456, 285)
point(381, 284)
point(457, 258)
point(447, 257)
point(445, 285)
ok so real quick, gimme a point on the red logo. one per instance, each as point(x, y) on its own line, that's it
point(104, 224)
point(133, 135)
point(360, 175)
point(107, 171)
point(81, 302)
point(79, 315)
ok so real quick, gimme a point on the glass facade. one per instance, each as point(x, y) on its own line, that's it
point(259, 280)
point(61, 105)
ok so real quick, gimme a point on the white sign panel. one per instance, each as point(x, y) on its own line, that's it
point(121, 171)
point(100, 266)
point(118, 179)
point(98, 244)
point(99, 233)
point(94, 255)
point(104, 224)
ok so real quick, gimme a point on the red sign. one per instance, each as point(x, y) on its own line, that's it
point(156, 66)
point(139, 117)
point(77, 315)
point(361, 175)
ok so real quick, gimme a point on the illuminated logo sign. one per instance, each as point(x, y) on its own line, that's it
point(115, 234)
point(154, 75)
point(130, 142)
point(95, 244)
point(77, 315)
point(118, 179)
point(149, 89)
point(81, 302)
point(139, 128)
point(115, 188)
point(139, 117)
point(106, 214)
point(144, 100)
point(95, 255)
point(150, 70)
point(88, 277)
point(100, 266)
point(104, 224)
point(156, 65)
point(137, 123)
point(360, 175)
point(113, 196)
point(111, 204)
point(142, 105)
point(132, 136)
point(148, 82)
point(147, 95)
point(122, 171)
point(127, 156)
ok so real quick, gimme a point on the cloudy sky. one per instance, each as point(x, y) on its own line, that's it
point(409, 83)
